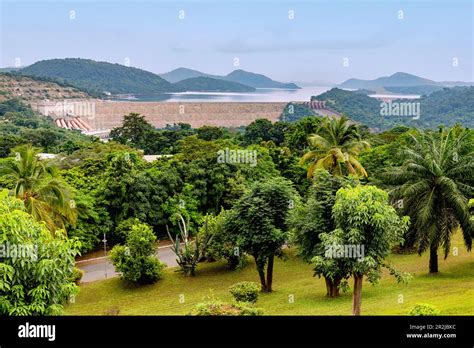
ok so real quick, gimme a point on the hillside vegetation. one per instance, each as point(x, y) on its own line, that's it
point(399, 79)
point(27, 89)
point(446, 107)
point(99, 77)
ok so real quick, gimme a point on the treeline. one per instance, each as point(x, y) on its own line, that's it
point(447, 107)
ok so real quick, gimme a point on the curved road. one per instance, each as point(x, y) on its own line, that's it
point(101, 267)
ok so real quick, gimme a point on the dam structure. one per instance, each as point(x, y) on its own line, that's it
point(102, 115)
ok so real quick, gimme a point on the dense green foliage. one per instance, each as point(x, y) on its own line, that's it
point(433, 187)
point(446, 107)
point(136, 259)
point(335, 147)
point(294, 112)
point(36, 267)
point(258, 224)
point(20, 125)
point(424, 309)
point(245, 292)
point(236, 193)
point(214, 307)
point(38, 185)
point(367, 226)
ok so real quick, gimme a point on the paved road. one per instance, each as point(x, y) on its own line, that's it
point(102, 268)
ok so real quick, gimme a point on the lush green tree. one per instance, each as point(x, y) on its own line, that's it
point(296, 138)
point(134, 130)
point(295, 112)
point(264, 130)
point(92, 221)
point(433, 187)
point(136, 260)
point(337, 142)
point(309, 220)
point(37, 184)
point(126, 188)
point(221, 246)
point(258, 223)
point(210, 133)
point(367, 226)
point(35, 266)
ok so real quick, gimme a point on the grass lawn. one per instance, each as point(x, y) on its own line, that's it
point(452, 290)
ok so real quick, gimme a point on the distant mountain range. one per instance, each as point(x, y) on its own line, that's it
point(401, 82)
point(240, 76)
point(102, 78)
point(99, 78)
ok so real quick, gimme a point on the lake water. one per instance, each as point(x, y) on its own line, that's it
point(260, 95)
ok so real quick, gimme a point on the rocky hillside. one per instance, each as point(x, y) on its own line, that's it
point(27, 89)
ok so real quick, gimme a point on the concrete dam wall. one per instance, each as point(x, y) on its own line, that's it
point(102, 115)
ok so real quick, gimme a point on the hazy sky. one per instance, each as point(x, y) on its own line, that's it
point(429, 39)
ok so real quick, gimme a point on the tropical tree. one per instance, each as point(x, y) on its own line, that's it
point(309, 220)
point(36, 267)
point(337, 142)
point(133, 131)
point(367, 226)
point(38, 185)
point(433, 187)
point(258, 224)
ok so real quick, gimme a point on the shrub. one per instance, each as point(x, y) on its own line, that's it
point(136, 261)
point(424, 309)
point(221, 247)
point(77, 275)
point(121, 232)
point(215, 307)
point(245, 292)
point(188, 252)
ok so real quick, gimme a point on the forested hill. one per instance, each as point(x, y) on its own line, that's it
point(446, 107)
point(99, 77)
point(102, 78)
point(240, 76)
point(209, 84)
point(257, 80)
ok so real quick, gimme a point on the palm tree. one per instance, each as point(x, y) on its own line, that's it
point(434, 185)
point(337, 142)
point(45, 197)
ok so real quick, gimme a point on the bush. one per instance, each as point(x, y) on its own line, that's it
point(121, 232)
point(245, 292)
point(222, 247)
point(424, 309)
point(215, 307)
point(136, 261)
point(77, 275)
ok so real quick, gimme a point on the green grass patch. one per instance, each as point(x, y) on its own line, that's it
point(451, 291)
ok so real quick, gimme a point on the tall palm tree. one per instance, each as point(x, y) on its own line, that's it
point(45, 197)
point(337, 142)
point(434, 185)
